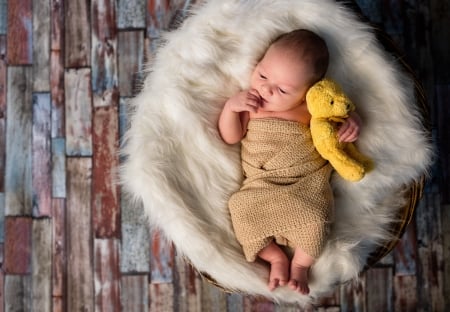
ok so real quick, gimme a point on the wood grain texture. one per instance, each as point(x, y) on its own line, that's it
point(59, 250)
point(3, 88)
point(41, 45)
point(134, 291)
point(18, 184)
point(131, 59)
point(41, 283)
point(105, 199)
point(77, 37)
point(104, 53)
point(42, 155)
point(17, 293)
point(131, 14)
point(20, 32)
point(78, 112)
point(107, 275)
point(80, 259)
point(18, 245)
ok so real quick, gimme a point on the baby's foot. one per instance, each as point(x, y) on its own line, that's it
point(299, 279)
point(279, 275)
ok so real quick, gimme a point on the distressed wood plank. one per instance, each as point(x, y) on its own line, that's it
point(187, 286)
point(77, 33)
point(440, 29)
point(430, 268)
point(353, 295)
point(379, 289)
point(442, 94)
point(134, 292)
point(213, 298)
point(17, 293)
point(20, 32)
point(57, 67)
point(57, 94)
point(107, 275)
point(131, 58)
point(18, 189)
point(131, 14)
point(235, 302)
point(3, 16)
point(57, 25)
point(58, 168)
point(252, 304)
point(41, 264)
point(41, 45)
point(80, 274)
point(42, 155)
point(59, 267)
point(161, 297)
point(2, 224)
point(135, 256)
point(105, 199)
point(2, 287)
point(162, 259)
point(78, 107)
point(104, 53)
point(406, 252)
point(405, 289)
point(17, 245)
point(3, 85)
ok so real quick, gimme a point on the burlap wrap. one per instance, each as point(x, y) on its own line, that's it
point(286, 193)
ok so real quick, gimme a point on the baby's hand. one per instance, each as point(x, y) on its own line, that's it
point(245, 101)
point(349, 130)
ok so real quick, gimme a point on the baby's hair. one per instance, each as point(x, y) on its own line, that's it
point(310, 47)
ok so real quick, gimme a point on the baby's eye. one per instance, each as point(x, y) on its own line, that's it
point(262, 76)
point(281, 91)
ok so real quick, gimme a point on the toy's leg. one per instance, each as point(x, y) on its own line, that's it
point(359, 157)
point(279, 265)
point(347, 167)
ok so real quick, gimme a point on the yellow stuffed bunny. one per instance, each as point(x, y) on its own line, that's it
point(328, 105)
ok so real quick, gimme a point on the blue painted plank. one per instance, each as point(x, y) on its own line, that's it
point(59, 168)
point(18, 180)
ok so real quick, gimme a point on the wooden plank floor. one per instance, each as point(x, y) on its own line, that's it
point(69, 242)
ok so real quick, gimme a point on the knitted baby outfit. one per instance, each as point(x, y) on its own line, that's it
point(286, 194)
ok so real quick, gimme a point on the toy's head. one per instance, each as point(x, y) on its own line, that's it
point(326, 99)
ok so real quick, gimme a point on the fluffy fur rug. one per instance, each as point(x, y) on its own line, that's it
point(180, 170)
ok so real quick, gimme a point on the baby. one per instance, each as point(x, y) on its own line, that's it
point(286, 197)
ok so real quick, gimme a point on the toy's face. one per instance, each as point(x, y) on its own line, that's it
point(326, 99)
point(281, 80)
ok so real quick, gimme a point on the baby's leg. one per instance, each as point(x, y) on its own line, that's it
point(301, 262)
point(279, 265)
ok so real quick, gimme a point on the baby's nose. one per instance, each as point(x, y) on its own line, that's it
point(266, 90)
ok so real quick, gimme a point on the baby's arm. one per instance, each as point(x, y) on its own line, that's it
point(234, 117)
point(349, 130)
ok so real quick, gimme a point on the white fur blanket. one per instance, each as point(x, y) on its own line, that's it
point(180, 170)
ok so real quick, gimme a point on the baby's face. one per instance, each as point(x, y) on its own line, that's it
point(281, 80)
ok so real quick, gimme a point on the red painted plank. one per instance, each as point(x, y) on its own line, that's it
point(17, 245)
point(105, 199)
point(20, 32)
point(161, 297)
point(107, 275)
point(41, 45)
point(162, 259)
point(42, 155)
point(104, 53)
point(405, 289)
point(3, 82)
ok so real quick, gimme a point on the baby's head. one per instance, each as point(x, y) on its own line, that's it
point(306, 47)
point(291, 65)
